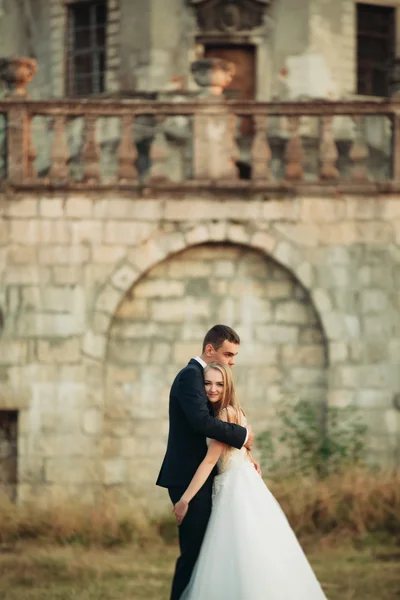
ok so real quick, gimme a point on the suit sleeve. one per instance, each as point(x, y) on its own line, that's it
point(193, 401)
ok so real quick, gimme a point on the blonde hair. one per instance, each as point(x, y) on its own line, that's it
point(229, 402)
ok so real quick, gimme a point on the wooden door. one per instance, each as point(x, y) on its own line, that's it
point(243, 84)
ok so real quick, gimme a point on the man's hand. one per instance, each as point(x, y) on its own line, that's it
point(180, 509)
point(250, 439)
point(257, 467)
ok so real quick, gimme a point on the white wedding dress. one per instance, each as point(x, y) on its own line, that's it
point(249, 550)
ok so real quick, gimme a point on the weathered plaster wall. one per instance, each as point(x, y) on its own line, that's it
point(69, 265)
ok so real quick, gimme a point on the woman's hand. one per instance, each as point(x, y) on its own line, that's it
point(257, 467)
point(180, 509)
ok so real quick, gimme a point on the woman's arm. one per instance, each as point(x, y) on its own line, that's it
point(200, 477)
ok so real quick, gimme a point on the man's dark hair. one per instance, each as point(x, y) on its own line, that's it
point(217, 336)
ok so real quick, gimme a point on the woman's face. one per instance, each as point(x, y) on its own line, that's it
point(214, 385)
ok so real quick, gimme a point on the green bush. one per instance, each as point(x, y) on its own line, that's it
point(309, 439)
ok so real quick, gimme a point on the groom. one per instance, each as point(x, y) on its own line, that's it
point(191, 421)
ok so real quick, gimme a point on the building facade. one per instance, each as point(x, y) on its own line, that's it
point(136, 212)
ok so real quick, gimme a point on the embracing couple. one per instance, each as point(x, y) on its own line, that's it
point(235, 541)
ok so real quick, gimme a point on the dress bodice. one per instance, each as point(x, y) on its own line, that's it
point(232, 457)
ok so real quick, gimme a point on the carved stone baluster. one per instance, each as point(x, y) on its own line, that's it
point(127, 153)
point(328, 150)
point(91, 151)
point(59, 152)
point(294, 153)
point(158, 154)
point(232, 150)
point(261, 151)
point(31, 153)
point(359, 152)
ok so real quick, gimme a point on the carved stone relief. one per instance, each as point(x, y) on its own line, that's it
point(229, 16)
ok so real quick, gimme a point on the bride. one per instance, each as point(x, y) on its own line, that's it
point(249, 550)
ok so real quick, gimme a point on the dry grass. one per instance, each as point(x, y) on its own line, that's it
point(348, 524)
point(143, 572)
point(350, 506)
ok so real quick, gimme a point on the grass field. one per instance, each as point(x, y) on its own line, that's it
point(39, 572)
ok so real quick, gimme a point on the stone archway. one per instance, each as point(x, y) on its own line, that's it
point(160, 324)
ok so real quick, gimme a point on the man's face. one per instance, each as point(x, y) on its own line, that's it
point(226, 354)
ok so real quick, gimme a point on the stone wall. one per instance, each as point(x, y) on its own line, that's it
point(104, 297)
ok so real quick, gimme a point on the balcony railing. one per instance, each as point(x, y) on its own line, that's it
point(348, 145)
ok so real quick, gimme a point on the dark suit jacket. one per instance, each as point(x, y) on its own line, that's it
point(190, 422)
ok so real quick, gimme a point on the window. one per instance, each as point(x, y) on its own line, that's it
point(375, 48)
point(8, 452)
point(87, 24)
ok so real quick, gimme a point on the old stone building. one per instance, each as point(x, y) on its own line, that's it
point(138, 208)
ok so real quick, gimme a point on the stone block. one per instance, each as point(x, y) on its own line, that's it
point(341, 398)
point(160, 288)
point(92, 421)
point(51, 208)
point(217, 231)
point(176, 311)
point(179, 210)
point(94, 345)
point(64, 255)
point(72, 470)
point(79, 207)
point(238, 234)
point(277, 334)
point(109, 299)
point(26, 275)
point(264, 241)
point(23, 208)
point(147, 256)
point(224, 268)
point(306, 274)
point(4, 233)
point(180, 268)
point(135, 308)
point(58, 299)
point(292, 312)
point(339, 234)
point(160, 353)
point(124, 277)
point(87, 232)
point(131, 233)
point(287, 254)
point(13, 352)
point(338, 352)
point(374, 301)
point(47, 325)
point(22, 255)
point(59, 351)
point(308, 376)
point(129, 351)
point(321, 210)
point(183, 352)
point(281, 210)
point(107, 254)
point(198, 235)
point(66, 275)
point(308, 356)
point(303, 234)
point(275, 290)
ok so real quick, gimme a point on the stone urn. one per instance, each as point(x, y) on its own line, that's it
point(213, 75)
point(17, 72)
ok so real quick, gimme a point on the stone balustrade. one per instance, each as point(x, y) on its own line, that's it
point(205, 143)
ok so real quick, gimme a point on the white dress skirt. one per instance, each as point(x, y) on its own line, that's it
point(249, 550)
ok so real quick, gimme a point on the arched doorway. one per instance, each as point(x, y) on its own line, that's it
point(160, 325)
